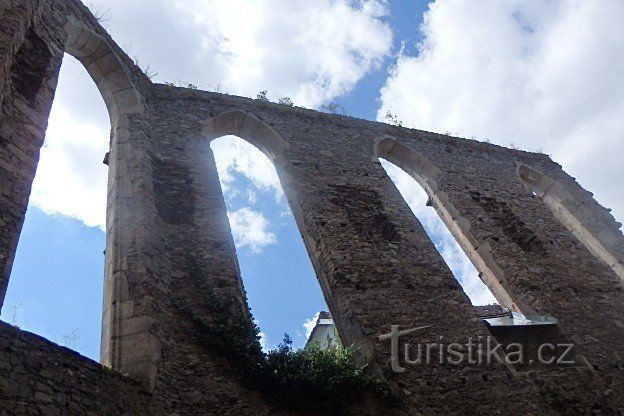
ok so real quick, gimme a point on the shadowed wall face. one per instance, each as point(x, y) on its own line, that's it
point(28, 99)
point(175, 311)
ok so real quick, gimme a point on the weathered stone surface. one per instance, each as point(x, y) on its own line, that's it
point(38, 377)
point(171, 268)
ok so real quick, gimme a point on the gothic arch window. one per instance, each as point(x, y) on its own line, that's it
point(279, 279)
point(446, 227)
point(26, 105)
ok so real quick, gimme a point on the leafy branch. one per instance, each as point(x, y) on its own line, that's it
point(333, 107)
point(262, 96)
point(393, 119)
point(286, 101)
point(147, 69)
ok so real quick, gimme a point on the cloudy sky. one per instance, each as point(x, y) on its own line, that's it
point(537, 74)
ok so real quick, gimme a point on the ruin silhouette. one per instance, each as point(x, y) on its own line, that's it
point(174, 302)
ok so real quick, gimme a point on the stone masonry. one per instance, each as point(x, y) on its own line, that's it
point(541, 243)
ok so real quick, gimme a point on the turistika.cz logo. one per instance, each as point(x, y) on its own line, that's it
point(480, 350)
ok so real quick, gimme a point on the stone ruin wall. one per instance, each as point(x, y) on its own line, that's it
point(541, 243)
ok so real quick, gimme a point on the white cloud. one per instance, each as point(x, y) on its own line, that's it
point(290, 48)
point(310, 51)
point(233, 154)
point(71, 178)
point(309, 324)
point(541, 74)
point(250, 229)
point(252, 197)
point(263, 341)
point(452, 253)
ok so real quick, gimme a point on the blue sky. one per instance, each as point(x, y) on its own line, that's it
point(473, 69)
point(405, 17)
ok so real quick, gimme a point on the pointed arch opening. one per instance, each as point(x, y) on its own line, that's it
point(281, 285)
point(56, 285)
point(455, 258)
point(471, 263)
point(56, 290)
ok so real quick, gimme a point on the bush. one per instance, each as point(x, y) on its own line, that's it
point(262, 96)
point(313, 379)
point(306, 379)
point(286, 101)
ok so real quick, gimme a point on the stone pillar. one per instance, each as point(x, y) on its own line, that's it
point(203, 319)
point(29, 90)
point(16, 18)
point(130, 343)
point(132, 286)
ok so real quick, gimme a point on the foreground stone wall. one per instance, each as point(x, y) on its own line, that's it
point(173, 285)
point(39, 377)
